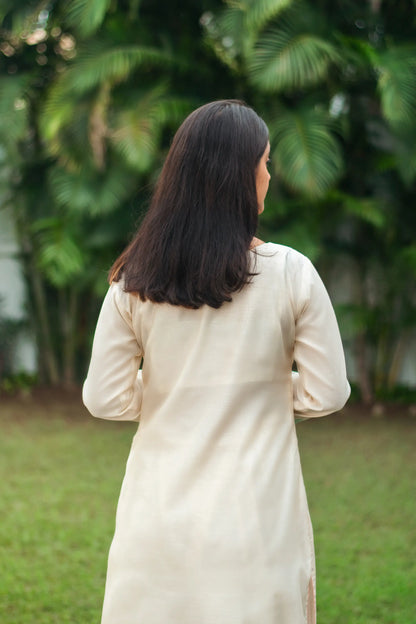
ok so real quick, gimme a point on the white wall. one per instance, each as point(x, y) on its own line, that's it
point(13, 296)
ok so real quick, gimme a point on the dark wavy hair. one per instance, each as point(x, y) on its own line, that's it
point(192, 246)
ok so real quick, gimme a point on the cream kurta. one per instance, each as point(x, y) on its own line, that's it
point(212, 523)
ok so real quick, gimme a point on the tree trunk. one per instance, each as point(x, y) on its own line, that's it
point(45, 343)
point(361, 343)
point(397, 359)
point(381, 359)
point(68, 314)
point(364, 381)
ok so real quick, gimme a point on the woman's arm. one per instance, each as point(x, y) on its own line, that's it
point(113, 387)
point(320, 386)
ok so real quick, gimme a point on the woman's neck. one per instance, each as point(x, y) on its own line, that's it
point(256, 242)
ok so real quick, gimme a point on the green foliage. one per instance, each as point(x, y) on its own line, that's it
point(21, 15)
point(285, 61)
point(405, 154)
point(294, 52)
point(92, 94)
point(90, 191)
point(20, 383)
point(399, 394)
point(259, 12)
point(233, 32)
point(338, 90)
point(307, 155)
point(59, 256)
point(97, 64)
point(272, 44)
point(13, 112)
point(368, 209)
point(85, 16)
point(396, 69)
point(137, 126)
point(93, 91)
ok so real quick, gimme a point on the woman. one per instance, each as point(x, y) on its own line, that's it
point(212, 523)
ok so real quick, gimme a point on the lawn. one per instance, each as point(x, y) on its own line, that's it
point(61, 470)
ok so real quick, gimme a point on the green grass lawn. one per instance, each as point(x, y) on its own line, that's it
point(60, 474)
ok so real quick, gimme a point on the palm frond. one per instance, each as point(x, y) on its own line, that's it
point(306, 155)
point(130, 123)
point(113, 64)
point(368, 209)
point(233, 33)
point(135, 130)
point(89, 191)
point(358, 56)
point(259, 12)
point(64, 131)
point(96, 64)
point(405, 153)
point(58, 254)
point(85, 16)
point(226, 33)
point(285, 60)
point(135, 139)
point(94, 67)
point(396, 71)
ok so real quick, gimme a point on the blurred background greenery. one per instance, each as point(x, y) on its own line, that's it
point(91, 92)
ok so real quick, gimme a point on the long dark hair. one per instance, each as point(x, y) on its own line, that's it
point(192, 246)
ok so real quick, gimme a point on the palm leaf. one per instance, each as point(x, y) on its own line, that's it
point(226, 33)
point(358, 56)
point(89, 191)
point(85, 16)
point(306, 156)
point(368, 209)
point(135, 130)
point(112, 65)
point(396, 71)
point(96, 64)
point(259, 12)
point(284, 60)
point(233, 32)
point(93, 68)
point(405, 153)
point(65, 132)
point(58, 254)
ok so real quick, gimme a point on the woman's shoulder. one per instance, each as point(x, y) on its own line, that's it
point(125, 301)
point(281, 253)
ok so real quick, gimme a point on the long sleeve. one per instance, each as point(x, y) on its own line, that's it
point(113, 387)
point(320, 386)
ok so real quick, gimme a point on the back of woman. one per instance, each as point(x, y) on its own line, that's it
point(212, 523)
